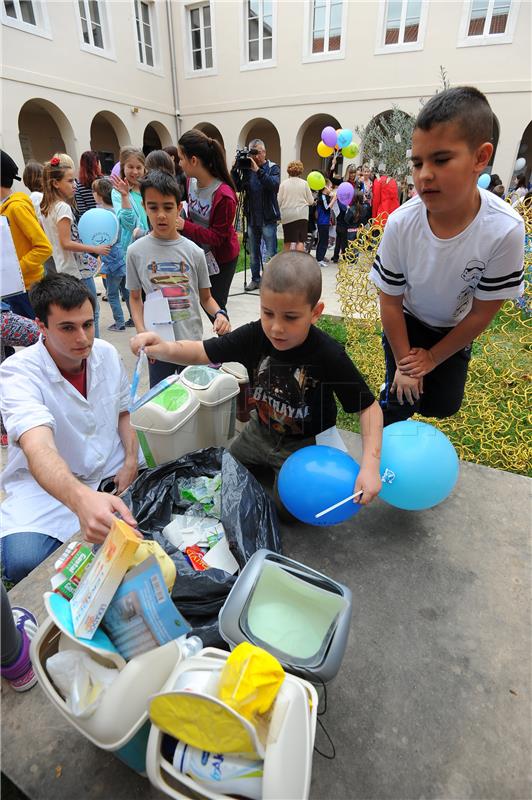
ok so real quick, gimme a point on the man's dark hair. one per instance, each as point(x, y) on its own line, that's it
point(163, 182)
point(464, 105)
point(61, 290)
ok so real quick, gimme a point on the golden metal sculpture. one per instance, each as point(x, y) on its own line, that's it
point(493, 427)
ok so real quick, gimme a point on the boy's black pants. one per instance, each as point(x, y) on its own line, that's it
point(443, 388)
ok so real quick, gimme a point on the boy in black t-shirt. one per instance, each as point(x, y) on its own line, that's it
point(295, 369)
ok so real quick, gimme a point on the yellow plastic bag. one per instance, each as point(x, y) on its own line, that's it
point(250, 680)
point(148, 548)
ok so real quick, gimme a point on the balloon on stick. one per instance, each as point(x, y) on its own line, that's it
point(520, 164)
point(324, 150)
point(315, 478)
point(98, 226)
point(345, 193)
point(328, 136)
point(315, 180)
point(484, 180)
point(419, 465)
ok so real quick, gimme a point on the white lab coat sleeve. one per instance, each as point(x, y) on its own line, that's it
point(21, 401)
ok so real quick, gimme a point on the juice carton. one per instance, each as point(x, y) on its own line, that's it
point(69, 567)
point(101, 581)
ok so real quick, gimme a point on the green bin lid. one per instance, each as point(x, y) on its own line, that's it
point(172, 398)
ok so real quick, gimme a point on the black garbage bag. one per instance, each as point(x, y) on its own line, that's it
point(247, 514)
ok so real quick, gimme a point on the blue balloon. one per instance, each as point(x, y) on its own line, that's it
point(344, 137)
point(98, 226)
point(314, 478)
point(419, 465)
point(484, 180)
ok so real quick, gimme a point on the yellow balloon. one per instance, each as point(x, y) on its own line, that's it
point(324, 150)
point(316, 181)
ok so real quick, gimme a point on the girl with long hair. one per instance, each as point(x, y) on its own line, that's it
point(211, 196)
point(127, 201)
point(89, 170)
point(61, 229)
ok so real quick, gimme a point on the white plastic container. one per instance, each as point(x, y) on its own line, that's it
point(216, 392)
point(167, 425)
point(120, 723)
point(223, 773)
point(287, 766)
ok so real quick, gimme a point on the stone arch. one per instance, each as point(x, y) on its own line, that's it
point(155, 137)
point(210, 130)
point(107, 135)
point(260, 128)
point(43, 130)
point(308, 138)
point(399, 165)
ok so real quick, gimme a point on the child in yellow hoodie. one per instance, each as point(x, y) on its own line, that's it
point(31, 243)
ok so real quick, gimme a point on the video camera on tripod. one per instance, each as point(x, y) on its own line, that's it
point(243, 157)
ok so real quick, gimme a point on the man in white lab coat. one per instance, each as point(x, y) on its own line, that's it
point(64, 404)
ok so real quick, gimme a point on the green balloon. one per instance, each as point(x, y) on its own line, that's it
point(350, 151)
point(316, 181)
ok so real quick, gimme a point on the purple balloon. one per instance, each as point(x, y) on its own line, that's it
point(328, 136)
point(345, 193)
point(116, 169)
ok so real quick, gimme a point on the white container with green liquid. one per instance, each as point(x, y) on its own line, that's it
point(167, 422)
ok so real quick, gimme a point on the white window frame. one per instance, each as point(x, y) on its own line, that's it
point(264, 63)
point(42, 21)
point(155, 39)
point(333, 55)
point(487, 38)
point(190, 72)
point(107, 51)
point(401, 47)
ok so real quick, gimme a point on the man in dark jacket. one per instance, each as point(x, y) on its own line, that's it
point(261, 181)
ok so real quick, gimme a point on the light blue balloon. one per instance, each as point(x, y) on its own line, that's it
point(484, 180)
point(344, 137)
point(314, 478)
point(98, 226)
point(419, 465)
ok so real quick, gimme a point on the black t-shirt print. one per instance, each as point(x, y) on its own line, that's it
point(294, 390)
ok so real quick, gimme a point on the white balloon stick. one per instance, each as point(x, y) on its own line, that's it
point(337, 505)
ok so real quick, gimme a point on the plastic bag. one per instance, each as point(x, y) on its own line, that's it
point(250, 680)
point(203, 491)
point(247, 514)
point(81, 679)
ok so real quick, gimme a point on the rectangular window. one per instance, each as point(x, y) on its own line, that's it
point(27, 15)
point(143, 22)
point(200, 28)
point(326, 26)
point(259, 26)
point(91, 23)
point(488, 17)
point(402, 21)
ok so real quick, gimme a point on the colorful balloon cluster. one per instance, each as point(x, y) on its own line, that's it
point(332, 140)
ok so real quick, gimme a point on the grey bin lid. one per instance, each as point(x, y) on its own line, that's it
point(210, 386)
point(319, 666)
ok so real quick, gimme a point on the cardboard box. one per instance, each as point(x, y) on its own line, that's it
point(101, 580)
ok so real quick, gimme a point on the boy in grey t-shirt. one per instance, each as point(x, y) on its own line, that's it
point(165, 261)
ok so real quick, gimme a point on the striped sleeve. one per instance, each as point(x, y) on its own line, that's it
point(386, 272)
point(503, 277)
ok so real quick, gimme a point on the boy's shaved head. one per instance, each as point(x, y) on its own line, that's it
point(464, 105)
point(294, 272)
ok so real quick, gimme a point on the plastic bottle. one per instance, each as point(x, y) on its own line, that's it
point(190, 646)
point(225, 773)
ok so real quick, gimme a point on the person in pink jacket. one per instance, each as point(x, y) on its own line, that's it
point(385, 198)
point(211, 198)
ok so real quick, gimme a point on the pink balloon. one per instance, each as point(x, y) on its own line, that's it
point(116, 169)
point(345, 193)
point(329, 136)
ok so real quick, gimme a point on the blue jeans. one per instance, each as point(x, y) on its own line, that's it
point(91, 286)
point(20, 304)
point(116, 286)
point(323, 242)
point(267, 232)
point(22, 552)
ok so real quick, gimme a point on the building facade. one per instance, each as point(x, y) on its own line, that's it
point(101, 74)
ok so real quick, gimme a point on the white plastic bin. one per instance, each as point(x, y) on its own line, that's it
point(167, 425)
point(120, 723)
point(288, 751)
point(216, 392)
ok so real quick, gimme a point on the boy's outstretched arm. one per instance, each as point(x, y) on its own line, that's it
point(185, 352)
point(420, 362)
point(393, 321)
point(369, 478)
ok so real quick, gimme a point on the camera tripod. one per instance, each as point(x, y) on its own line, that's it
point(241, 220)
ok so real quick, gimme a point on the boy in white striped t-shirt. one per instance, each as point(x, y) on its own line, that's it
point(448, 259)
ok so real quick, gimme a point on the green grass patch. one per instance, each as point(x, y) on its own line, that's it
point(240, 262)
